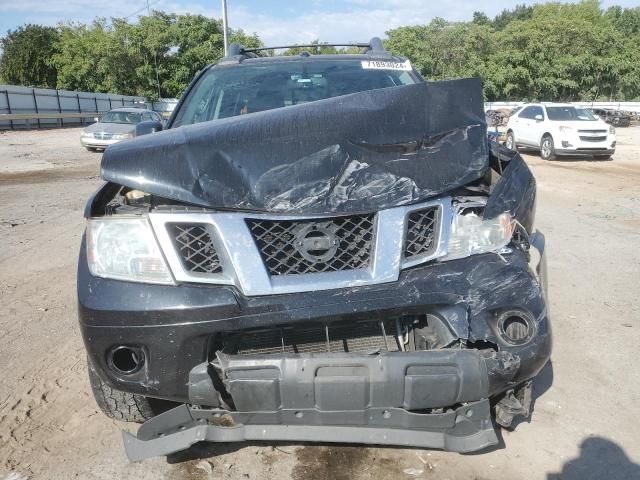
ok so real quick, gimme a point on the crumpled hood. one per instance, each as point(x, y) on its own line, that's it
point(355, 153)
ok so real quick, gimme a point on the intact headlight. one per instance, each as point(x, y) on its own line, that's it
point(564, 129)
point(471, 234)
point(121, 136)
point(125, 249)
point(612, 129)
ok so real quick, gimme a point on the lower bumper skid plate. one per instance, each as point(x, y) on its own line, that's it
point(465, 429)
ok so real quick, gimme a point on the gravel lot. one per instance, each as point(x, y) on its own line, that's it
point(585, 422)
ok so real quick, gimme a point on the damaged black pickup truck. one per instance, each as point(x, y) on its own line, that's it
point(317, 248)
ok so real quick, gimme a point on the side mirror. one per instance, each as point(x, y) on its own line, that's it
point(538, 118)
point(149, 126)
point(96, 119)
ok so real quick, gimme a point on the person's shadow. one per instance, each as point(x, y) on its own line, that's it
point(600, 459)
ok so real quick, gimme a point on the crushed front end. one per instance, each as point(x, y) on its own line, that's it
point(392, 320)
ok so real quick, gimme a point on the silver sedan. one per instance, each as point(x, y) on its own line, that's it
point(116, 125)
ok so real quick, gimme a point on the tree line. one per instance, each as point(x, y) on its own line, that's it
point(157, 56)
point(546, 52)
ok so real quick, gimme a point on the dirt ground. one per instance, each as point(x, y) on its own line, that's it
point(585, 422)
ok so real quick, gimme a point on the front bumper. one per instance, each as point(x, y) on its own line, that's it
point(574, 145)
point(386, 399)
point(465, 293)
point(433, 398)
point(586, 151)
point(90, 142)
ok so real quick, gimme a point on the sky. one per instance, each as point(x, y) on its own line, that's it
point(277, 22)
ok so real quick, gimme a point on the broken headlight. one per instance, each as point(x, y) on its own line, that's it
point(125, 249)
point(471, 234)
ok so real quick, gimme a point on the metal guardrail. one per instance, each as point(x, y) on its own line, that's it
point(19, 107)
point(28, 117)
point(32, 116)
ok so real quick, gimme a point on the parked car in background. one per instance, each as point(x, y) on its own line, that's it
point(613, 117)
point(119, 124)
point(560, 129)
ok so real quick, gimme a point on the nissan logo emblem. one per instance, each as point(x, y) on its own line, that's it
point(316, 243)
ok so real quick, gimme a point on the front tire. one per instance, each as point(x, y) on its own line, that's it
point(510, 142)
point(123, 406)
point(547, 148)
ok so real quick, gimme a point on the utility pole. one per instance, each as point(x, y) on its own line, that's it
point(224, 26)
point(155, 58)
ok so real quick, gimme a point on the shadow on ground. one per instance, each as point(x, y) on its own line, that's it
point(581, 159)
point(600, 459)
point(541, 383)
point(204, 450)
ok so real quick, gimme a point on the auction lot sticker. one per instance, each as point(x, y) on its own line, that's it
point(383, 65)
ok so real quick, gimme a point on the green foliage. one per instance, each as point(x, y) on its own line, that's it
point(520, 12)
point(320, 48)
point(548, 52)
point(552, 51)
point(118, 56)
point(25, 57)
point(198, 41)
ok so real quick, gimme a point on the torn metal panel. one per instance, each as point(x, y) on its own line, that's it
point(360, 152)
point(515, 192)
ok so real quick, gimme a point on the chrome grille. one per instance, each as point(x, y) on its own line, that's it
point(593, 139)
point(257, 252)
point(103, 135)
point(422, 232)
point(366, 336)
point(195, 248)
point(291, 247)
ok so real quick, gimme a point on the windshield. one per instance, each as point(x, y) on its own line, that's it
point(121, 117)
point(569, 113)
point(228, 91)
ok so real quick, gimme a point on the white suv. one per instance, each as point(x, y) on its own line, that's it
point(560, 129)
